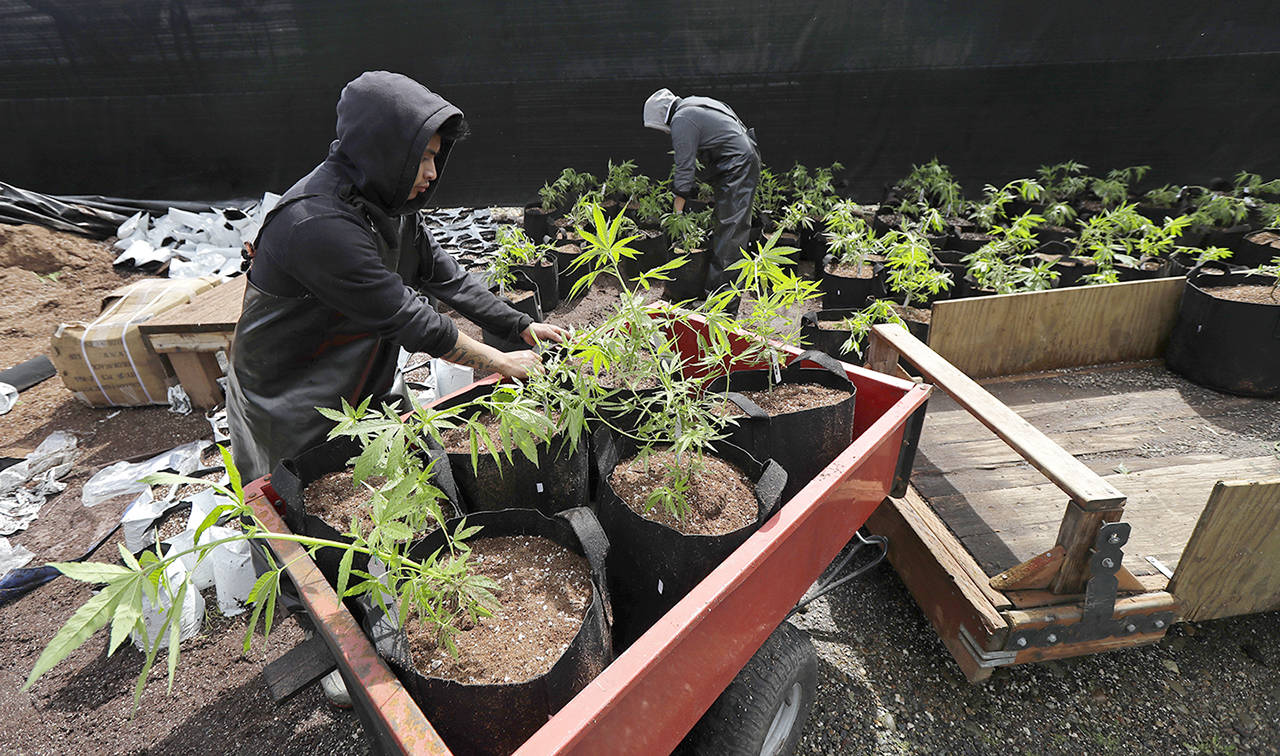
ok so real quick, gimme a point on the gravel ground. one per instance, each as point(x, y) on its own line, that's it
point(887, 685)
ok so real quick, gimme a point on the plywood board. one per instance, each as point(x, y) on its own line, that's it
point(1089, 325)
point(1004, 527)
point(1231, 565)
point(215, 310)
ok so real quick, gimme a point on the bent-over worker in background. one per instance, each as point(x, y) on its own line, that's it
point(338, 274)
point(708, 130)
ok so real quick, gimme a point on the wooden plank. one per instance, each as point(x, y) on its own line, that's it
point(1164, 505)
point(198, 372)
point(207, 341)
point(298, 668)
point(948, 586)
point(1036, 572)
point(217, 309)
point(1231, 564)
point(1088, 325)
point(1077, 534)
point(1080, 483)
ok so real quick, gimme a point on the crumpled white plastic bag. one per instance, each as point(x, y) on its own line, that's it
point(8, 397)
point(123, 478)
point(26, 486)
point(191, 614)
point(13, 557)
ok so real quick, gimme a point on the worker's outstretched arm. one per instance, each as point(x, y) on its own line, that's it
point(485, 359)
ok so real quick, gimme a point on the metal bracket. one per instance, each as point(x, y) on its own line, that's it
point(1097, 618)
point(982, 657)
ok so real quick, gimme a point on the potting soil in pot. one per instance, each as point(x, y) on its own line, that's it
point(794, 397)
point(544, 590)
point(519, 682)
point(335, 498)
point(1258, 294)
point(721, 498)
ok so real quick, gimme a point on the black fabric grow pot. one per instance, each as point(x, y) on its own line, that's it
point(654, 251)
point(537, 222)
point(840, 292)
point(546, 278)
point(826, 340)
point(1257, 248)
point(566, 274)
point(689, 280)
point(531, 306)
point(292, 476)
point(557, 483)
point(498, 718)
point(813, 244)
point(651, 566)
point(1229, 346)
point(967, 242)
point(802, 442)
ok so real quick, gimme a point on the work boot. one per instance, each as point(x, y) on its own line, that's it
point(335, 689)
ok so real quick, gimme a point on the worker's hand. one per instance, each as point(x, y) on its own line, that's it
point(520, 364)
point(537, 332)
point(677, 206)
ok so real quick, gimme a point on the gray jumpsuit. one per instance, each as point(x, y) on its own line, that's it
point(707, 129)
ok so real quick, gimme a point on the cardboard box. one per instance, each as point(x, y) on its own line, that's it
point(107, 362)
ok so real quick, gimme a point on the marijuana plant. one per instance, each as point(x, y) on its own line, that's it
point(859, 324)
point(440, 589)
point(515, 248)
point(911, 271)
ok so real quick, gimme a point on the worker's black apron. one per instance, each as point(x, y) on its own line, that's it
point(291, 355)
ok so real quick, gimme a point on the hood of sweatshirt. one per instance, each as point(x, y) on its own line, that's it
point(384, 123)
point(657, 110)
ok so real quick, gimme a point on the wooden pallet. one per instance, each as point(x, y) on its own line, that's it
point(1016, 479)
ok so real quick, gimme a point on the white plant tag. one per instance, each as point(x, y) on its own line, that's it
point(659, 586)
point(539, 487)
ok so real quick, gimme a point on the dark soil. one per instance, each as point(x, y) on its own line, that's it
point(458, 440)
point(544, 591)
point(721, 498)
point(85, 704)
point(796, 397)
point(914, 314)
point(1254, 293)
point(335, 498)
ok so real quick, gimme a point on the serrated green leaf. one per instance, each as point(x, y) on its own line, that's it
point(91, 572)
point(92, 616)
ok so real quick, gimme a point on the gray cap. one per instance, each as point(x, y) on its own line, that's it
point(657, 110)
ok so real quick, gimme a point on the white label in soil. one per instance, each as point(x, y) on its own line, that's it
point(659, 586)
point(539, 487)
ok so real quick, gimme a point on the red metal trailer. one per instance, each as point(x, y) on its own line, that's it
point(653, 694)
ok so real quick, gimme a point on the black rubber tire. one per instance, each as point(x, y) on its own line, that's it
point(739, 720)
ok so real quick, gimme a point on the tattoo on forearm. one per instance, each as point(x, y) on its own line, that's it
point(468, 358)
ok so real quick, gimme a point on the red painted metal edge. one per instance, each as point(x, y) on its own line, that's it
point(395, 721)
point(652, 695)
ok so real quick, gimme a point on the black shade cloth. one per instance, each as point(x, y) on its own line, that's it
point(212, 99)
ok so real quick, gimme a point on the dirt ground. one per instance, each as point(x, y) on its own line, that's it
point(886, 683)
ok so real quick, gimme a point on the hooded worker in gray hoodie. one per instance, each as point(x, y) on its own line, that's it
point(708, 130)
point(340, 274)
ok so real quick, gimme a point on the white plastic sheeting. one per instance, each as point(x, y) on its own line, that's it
point(194, 244)
point(123, 478)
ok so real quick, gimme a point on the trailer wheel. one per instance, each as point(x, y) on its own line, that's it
point(764, 709)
